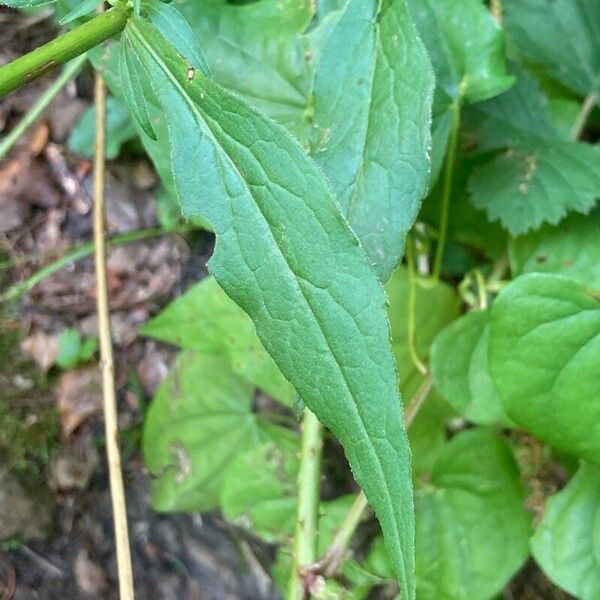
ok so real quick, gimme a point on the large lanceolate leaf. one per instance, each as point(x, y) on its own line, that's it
point(544, 356)
point(573, 249)
point(562, 35)
point(373, 92)
point(287, 256)
point(566, 543)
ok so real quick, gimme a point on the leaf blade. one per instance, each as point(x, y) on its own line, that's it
point(265, 261)
point(377, 99)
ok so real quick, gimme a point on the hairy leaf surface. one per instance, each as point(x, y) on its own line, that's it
point(544, 353)
point(286, 255)
point(373, 91)
point(566, 544)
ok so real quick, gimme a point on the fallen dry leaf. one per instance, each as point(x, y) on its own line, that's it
point(79, 397)
point(42, 348)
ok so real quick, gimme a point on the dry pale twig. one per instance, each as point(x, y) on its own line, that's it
point(117, 490)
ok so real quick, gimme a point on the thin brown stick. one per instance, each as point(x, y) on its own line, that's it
point(117, 490)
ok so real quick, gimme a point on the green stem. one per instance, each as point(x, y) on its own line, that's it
point(447, 189)
point(309, 480)
point(25, 69)
point(81, 251)
point(411, 321)
point(70, 71)
point(584, 113)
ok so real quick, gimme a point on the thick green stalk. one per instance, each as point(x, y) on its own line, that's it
point(447, 189)
point(70, 71)
point(309, 485)
point(62, 49)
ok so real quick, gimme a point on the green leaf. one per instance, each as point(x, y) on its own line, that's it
point(436, 306)
point(472, 514)
point(82, 9)
point(132, 88)
point(519, 114)
point(259, 493)
point(466, 47)
point(544, 347)
point(286, 255)
point(572, 249)
point(565, 543)
point(176, 30)
point(562, 35)
point(472, 527)
point(25, 3)
point(199, 421)
point(539, 177)
point(372, 119)
point(459, 364)
point(119, 129)
point(73, 350)
point(262, 52)
point(206, 320)
point(534, 183)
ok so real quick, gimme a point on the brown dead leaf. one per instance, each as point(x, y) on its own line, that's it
point(79, 397)
point(42, 348)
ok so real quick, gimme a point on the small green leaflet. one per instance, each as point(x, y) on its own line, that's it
point(562, 35)
point(566, 542)
point(459, 364)
point(119, 129)
point(287, 256)
point(373, 92)
point(544, 353)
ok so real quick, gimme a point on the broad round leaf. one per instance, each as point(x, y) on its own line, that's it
point(459, 363)
point(566, 544)
point(545, 356)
